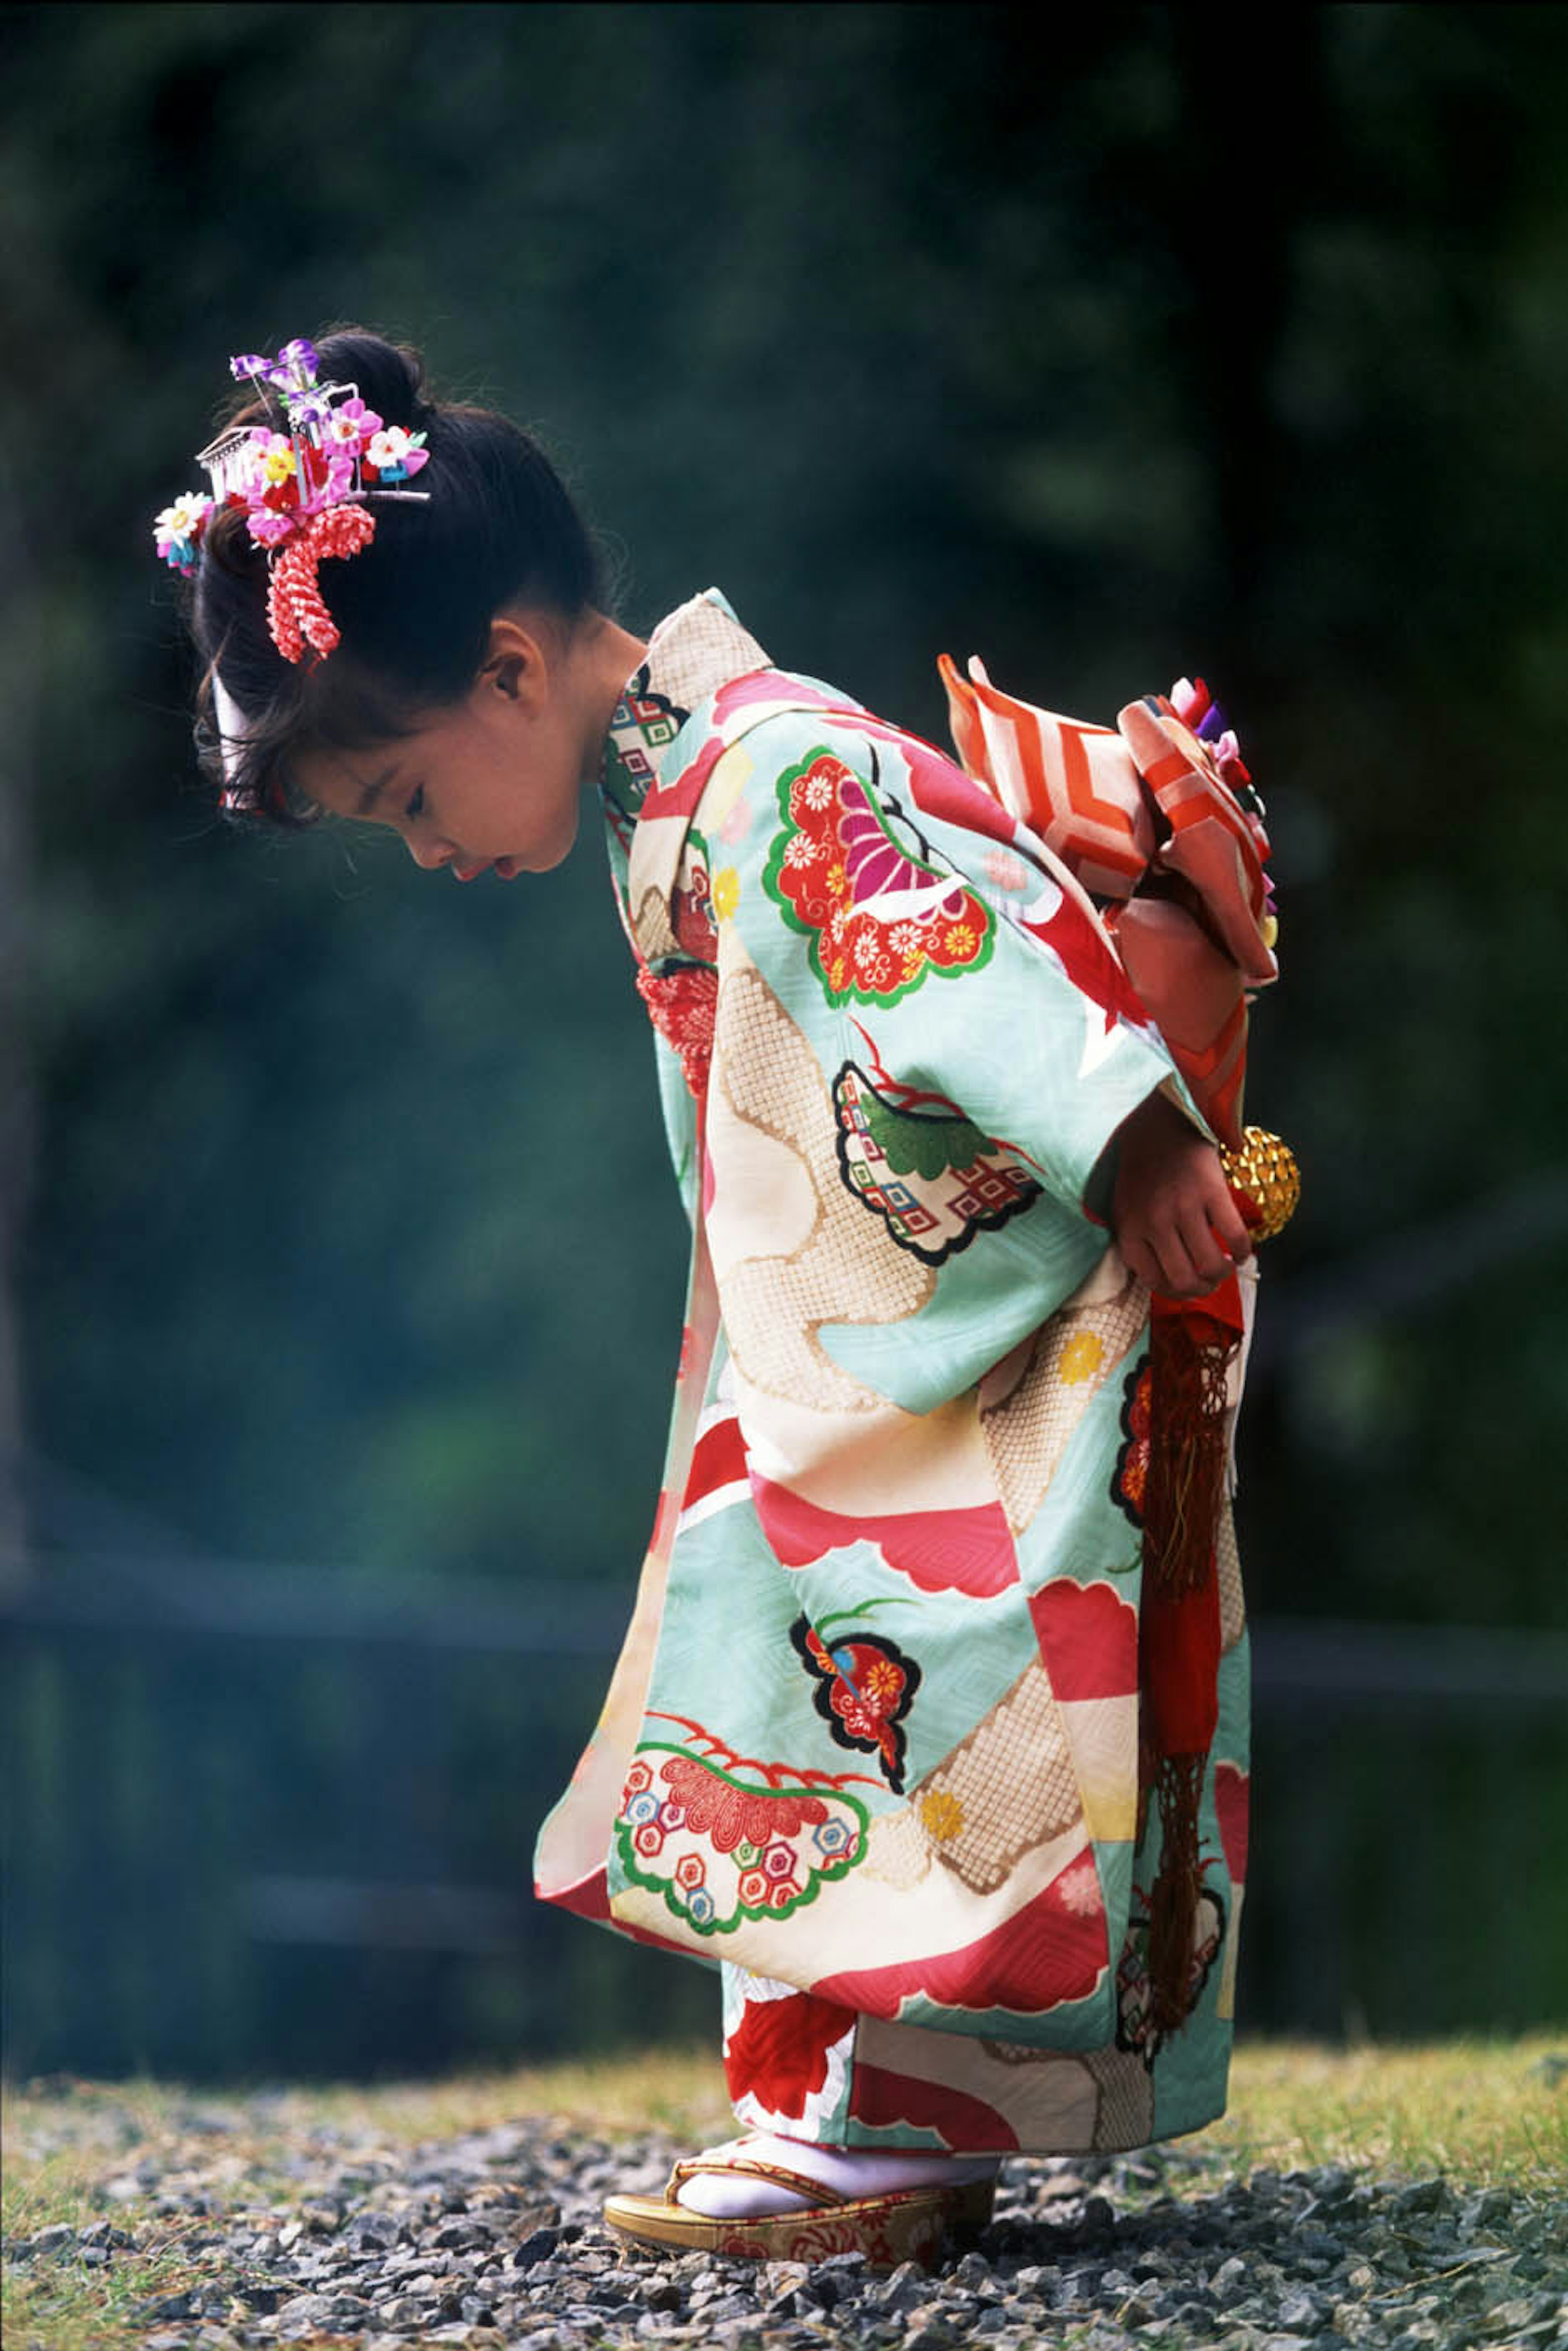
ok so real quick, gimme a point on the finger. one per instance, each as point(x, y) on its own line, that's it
point(1210, 1263)
point(1230, 1225)
point(1139, 1259)
point(1178, 1276)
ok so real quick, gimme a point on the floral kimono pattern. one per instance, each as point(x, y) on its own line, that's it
point(873, 1739)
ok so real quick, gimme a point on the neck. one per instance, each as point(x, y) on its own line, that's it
point(608, 654)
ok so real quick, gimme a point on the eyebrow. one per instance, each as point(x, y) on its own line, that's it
point(372, 791)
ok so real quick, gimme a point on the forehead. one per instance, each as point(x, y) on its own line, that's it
point(350, 783)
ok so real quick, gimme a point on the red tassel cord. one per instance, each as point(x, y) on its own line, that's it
point(296, 613)
point(1191, 1347)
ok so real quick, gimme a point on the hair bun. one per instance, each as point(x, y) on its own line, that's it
point(390, 376)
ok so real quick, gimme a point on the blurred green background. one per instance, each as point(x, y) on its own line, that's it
point(342, 1264)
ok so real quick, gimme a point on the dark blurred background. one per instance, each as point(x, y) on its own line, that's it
point(342, 1266)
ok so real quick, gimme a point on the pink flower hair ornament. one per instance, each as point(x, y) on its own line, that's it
point(302, 490)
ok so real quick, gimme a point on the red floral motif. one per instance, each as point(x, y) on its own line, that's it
point(682, 1005)
point(837, 856)
point(728, 1815)
point(777, 2053)
point(1130, 1474)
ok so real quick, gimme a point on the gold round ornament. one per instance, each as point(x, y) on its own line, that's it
point(1265, 1171)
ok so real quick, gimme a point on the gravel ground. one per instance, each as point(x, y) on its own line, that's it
point(493, 2240)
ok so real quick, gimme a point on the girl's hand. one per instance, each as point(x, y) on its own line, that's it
point(1177, 1225)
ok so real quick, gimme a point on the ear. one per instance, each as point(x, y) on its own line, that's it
point(515, 667)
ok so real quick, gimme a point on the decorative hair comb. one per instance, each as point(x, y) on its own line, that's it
point(304, 490)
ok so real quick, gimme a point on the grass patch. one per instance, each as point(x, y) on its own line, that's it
point(1483, 2113)
point(70, 2151)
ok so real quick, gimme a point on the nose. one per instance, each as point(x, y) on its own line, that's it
point(429, 854)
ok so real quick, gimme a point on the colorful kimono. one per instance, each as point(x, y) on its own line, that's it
point(873, 1741)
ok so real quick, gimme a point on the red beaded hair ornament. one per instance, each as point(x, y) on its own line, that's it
point(296, 612)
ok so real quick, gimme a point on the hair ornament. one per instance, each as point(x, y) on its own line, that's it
point(296, 613)
point(302, 489)
point(177, 532)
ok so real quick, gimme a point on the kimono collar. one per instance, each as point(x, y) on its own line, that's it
point(692, 653)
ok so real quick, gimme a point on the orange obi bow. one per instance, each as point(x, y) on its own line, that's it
point(1158, 820)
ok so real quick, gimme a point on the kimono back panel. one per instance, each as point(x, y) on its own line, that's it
point(873, 1731)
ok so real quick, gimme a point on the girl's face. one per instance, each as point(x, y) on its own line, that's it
point(493, 781)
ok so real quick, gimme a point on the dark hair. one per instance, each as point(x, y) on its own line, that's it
point(413, 609)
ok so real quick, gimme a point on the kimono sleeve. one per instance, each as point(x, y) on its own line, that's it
point(934, 1025)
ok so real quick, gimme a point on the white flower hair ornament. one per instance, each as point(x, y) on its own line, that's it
point(303, 490)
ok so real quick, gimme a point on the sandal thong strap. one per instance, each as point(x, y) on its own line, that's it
point(815, 2191)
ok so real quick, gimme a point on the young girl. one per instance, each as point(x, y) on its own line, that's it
point(930, 1727)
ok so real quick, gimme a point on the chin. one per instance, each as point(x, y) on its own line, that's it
point(555, 852)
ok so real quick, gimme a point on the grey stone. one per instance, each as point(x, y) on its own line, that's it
point(934, 2333)
point(167, 2305)
point(1423, 2195)
point(1300, 2313)
point(405, 2309)
point(382, 2229)
point(319, 2308)
point(1231, 2280)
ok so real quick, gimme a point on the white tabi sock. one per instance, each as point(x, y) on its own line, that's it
point(853, 2172)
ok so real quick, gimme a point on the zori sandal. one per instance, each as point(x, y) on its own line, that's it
point(908, 2224)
